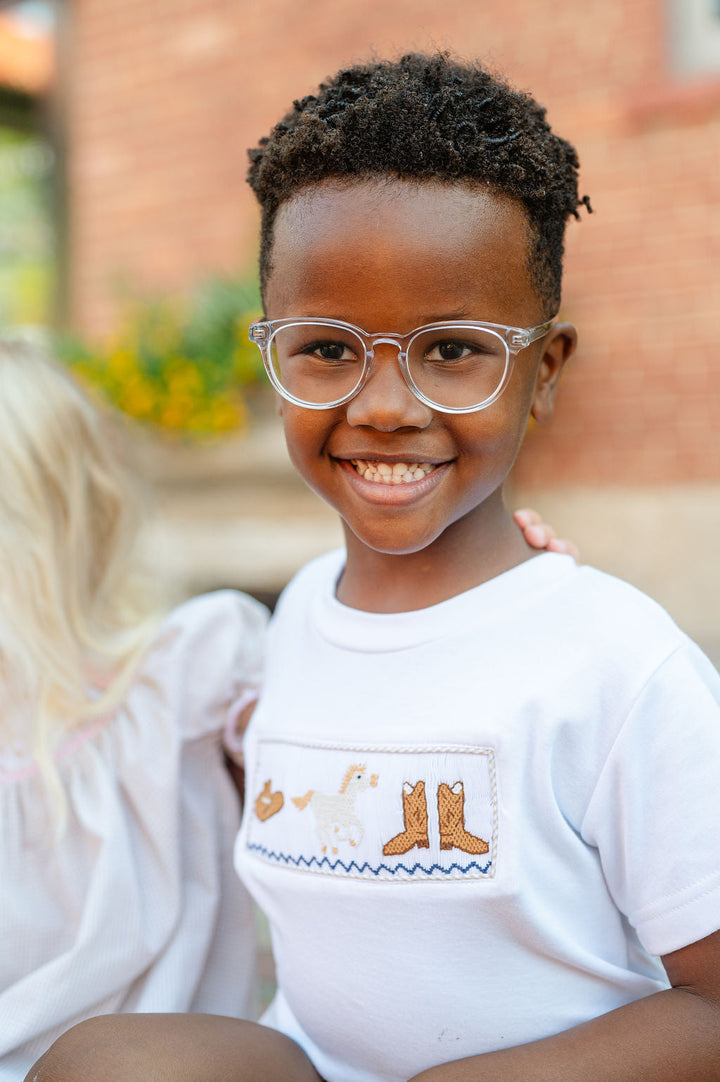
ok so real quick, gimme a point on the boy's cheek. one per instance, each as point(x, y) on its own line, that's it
point(303, 440)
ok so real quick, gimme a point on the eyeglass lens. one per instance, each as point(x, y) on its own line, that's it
point(457, 367)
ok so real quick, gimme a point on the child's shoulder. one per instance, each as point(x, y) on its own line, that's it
point(609, 629)
point(610, 604)
point(207, 618)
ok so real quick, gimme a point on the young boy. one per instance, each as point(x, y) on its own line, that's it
point(483, 808)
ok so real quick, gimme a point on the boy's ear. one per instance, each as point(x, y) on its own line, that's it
point(558, 347)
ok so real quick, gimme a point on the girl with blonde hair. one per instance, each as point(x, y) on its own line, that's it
point(117, 892)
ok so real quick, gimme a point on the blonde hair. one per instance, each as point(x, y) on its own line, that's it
point(74, 618)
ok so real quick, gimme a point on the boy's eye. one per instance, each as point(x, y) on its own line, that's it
point(334, 351)
point(468, 347)
point(449, 350)
point(330, 351)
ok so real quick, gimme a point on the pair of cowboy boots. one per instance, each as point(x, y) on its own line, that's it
point(451, 818)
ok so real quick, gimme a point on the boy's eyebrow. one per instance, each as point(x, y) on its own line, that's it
point(449, 315)
point(440, 317)
point(460, 314)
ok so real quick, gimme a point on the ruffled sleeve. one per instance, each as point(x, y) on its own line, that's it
point(207, 657)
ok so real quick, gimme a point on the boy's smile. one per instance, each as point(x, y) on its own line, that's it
point(407, 480)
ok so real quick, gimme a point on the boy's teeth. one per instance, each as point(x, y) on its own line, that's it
point(399, 473)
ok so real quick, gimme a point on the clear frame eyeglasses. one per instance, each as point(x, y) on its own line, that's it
point(451, 367)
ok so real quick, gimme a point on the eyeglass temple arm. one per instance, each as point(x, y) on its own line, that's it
point(520, 339)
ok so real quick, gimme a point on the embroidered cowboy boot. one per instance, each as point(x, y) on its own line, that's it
point(415, 818)
point(451, 813)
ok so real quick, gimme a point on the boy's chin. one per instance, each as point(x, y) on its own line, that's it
point(485, 535)
point(398, 545)
point(409, 539)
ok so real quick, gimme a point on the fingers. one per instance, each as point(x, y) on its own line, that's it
point(539, 535)
point(526, 516)
point(557, 544)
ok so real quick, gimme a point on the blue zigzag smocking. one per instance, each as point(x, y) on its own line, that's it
point(309, 862)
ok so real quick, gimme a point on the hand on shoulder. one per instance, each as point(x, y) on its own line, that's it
point(541, 536)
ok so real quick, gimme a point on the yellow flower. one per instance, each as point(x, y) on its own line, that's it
point(144, 369)
point(138, 399)
point(227, 414)
point(121, 364)
point(183, 378)
point(176, 412)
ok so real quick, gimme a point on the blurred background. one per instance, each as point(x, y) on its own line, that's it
point(126, 225)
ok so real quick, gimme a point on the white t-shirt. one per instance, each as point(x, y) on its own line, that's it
point(137, 907)
point(477, 824)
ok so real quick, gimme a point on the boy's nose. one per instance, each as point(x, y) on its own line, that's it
point(385, 401)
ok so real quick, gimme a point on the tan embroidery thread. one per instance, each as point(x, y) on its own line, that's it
point(451, 814)
point(415, 821)
point(335, 816)
point(268, 803)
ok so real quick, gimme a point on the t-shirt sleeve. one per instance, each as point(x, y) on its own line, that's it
point(209, 656)
point(655, 811)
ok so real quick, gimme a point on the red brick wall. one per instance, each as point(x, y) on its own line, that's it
point(165, 97)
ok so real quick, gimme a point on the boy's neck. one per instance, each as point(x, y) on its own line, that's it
point(465, 556)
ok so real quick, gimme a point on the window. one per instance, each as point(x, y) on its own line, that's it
point(695, 36)
point(26, 234)
point(28, 166)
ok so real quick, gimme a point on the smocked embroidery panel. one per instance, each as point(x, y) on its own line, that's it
point(374, 812)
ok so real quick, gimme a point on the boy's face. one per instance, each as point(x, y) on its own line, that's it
point(391, 256)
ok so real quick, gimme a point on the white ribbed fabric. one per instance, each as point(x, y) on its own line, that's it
point(477, 824)
point(137, 907)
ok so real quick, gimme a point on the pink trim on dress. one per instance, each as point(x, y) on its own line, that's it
point(71, 744)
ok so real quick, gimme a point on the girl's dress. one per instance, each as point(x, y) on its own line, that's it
point(136, 907)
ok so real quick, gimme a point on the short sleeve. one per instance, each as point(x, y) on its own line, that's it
point(208, 655)
point(655, 811)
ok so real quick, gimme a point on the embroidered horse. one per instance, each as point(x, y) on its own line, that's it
point(335, 817)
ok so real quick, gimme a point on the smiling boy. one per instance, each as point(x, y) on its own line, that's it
point(396, 256)
point(483, 806)
point(535, 838)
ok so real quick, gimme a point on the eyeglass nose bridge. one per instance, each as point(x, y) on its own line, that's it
point(386, 339)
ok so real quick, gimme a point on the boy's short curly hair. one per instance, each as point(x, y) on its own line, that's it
point(425, 117)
